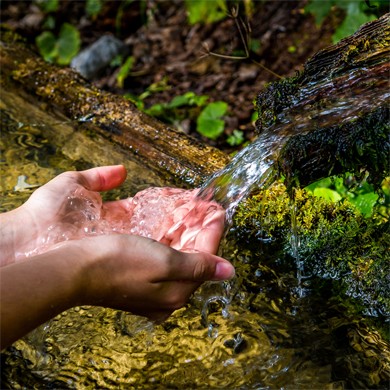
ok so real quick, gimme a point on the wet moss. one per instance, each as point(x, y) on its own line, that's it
point(333, 241)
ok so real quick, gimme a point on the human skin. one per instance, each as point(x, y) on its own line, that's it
point(120, 271)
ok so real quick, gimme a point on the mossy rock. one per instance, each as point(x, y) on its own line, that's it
point(336, 112)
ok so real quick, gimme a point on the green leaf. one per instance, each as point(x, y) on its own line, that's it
point(181, 100)
point(48, 5)
point(352, 22)
point(124, 71)
point(320, 9)
point(327, 193)
point(188, 99)
point(326, 182)
point(205, 11)
point(365, 202)
point(68, 43)
point(156, 110)
point(235, 139)
point(46, 43)
point(93, 7)
point(209, 123)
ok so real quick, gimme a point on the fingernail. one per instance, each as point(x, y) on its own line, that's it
point(223, 271)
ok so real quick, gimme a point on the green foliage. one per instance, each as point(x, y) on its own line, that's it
point(362, 196)
point(205, 11)
point(170, 111)
point(357, 12)
point(59, 49)
point(93, 7)
point(335, 240)
point(48, 6)
point(235, 139)
point(188, 106)
point(354, 18)
point(209, 122)
point(124, 71)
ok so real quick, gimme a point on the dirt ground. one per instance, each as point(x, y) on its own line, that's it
point(176, 56)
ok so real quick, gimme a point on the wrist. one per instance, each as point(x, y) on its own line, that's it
point(17, 235)
point(77, 257)
point(89, 277)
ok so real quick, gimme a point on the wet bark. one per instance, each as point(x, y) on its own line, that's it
point(170, 152)
point(336, 110)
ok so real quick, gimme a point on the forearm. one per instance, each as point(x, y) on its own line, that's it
point(37, 289)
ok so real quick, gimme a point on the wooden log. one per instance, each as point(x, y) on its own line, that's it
point(336, 110)
point(183, 159)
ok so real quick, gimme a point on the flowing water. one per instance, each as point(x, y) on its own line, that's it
point(262, 330)
point(253, 167)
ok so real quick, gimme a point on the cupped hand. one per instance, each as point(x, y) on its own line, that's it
point(70, 207)
point(143, 276)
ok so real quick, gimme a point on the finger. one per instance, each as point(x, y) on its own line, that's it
point(210, 235)
point(102, 178)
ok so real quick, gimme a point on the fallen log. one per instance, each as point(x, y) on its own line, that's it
point(170, 152)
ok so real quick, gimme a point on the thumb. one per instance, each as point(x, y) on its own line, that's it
point(200, 267)
point(102, 178)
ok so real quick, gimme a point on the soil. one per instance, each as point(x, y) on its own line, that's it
point(177, 57)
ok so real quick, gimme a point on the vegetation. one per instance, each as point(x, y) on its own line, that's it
point(356, 13)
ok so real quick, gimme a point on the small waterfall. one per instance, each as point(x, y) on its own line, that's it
point(347, 98)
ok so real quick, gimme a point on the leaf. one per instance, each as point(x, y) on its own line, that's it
point(209, 123)
point(124, 71)
point(365, 202)
point(48, 5)
point(68, 43)
point(320, 9)
point(235, 139)
point(93, 7)
point(188, 99)
point(326, 182)
point(327, 193)
point(352, 22)
point(205, 11)
point(181, 100)
point(46, 43)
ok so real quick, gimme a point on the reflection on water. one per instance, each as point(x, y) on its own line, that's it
point(255, 332)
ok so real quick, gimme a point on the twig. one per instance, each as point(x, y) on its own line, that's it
point(239, 24)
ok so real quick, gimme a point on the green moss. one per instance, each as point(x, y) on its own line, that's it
point(336, 242)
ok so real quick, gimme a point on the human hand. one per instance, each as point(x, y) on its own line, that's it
point(57, 211)
point(143, 276)
point(120, 271)
point(70, 207)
